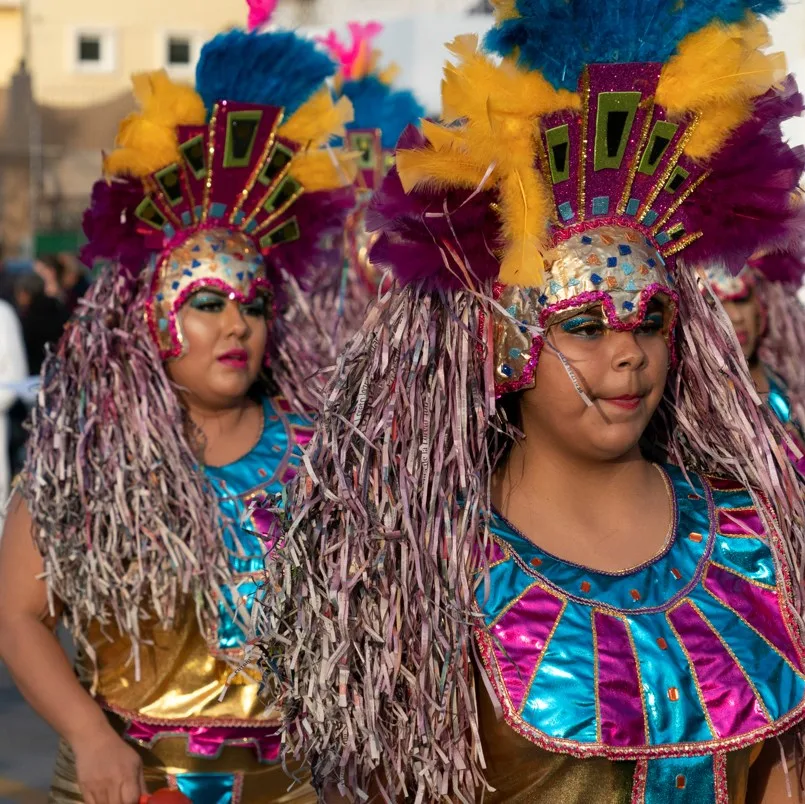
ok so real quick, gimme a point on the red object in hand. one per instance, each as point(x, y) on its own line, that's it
point(165, 796)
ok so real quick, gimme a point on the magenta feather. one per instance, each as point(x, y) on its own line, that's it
point(111, 228)
point(786, 267)
point(260, 13)
point(432, 236)
point(746, 203)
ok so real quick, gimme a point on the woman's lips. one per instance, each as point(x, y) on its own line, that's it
point(743, 337)
point(238, 359)
point(627, 402)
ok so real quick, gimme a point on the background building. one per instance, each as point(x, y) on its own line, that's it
point(65, 68)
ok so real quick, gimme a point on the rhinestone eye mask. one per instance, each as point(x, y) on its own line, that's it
point(210, 258)
point(613, 266)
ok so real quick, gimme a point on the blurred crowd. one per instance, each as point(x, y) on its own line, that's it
point(36, 300)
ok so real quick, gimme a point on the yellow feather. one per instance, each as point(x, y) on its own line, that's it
point(505, 10)
point(430, 168)
point(716, 74)
point(143, 148)
point(324, 170)
point(476, 84)
point(709, 136)
point(146, 140)
point(388, 75)
point(524, 211)
point(166, 102)
point(440, 136)
point(319, 120)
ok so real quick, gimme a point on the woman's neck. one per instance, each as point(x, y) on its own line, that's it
point(758, 373)
point(226, 433)
point(605, 515)
point(540, 470)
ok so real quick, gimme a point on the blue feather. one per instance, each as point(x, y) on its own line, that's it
point(377, 105)
point(558, 37)
point(269, 69)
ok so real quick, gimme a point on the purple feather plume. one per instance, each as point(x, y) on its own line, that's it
point(746, 203)
point(111, 228)
point(785, 267)
point(432, 236)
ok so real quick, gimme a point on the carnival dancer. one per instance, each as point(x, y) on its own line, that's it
point(539, 553)
point(381, 114)
point(175, 399)
point(769, 322)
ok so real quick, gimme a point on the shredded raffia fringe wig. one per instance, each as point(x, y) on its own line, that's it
point(126, 522)
point(782, 346)
point(391, 518)
point(122, 515)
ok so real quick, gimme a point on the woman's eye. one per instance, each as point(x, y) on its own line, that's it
point(207, 304)
point(584, 327)
point(255, 308)
point(652, 323)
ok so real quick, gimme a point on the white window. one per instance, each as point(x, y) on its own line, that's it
point(180, 51)
point(93, 51)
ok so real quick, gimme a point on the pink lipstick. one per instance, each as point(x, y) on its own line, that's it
point(627, 401)
point(236, 359)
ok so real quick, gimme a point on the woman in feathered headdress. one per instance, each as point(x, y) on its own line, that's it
point(769, 321)
point(177, 397)
point(381, 114)
point(538, 546)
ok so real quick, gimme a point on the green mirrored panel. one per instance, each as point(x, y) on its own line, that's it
point(278, 160)
point(284, 233)
point(676, 179)
point(614, 121)
point(170, 183)
point(558, 145)
point(658, 142)
point(241, 133)
point(149, 213)
point(288, 189)
point(192, 152)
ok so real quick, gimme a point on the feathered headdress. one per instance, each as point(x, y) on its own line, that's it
point(381, 111)
point(248, 151)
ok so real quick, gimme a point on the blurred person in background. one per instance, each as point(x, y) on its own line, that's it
point(13, 370)
point(49, 269)
point(6, 282)
point(74, 280)
point(64, 277)
point(43, 317)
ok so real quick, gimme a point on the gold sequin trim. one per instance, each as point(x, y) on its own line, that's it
point(627, 191)
point(205, 210)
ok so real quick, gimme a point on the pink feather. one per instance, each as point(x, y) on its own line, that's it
point(350, 56)
point(260, 12)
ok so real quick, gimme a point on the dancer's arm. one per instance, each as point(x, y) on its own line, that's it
point(109, 771)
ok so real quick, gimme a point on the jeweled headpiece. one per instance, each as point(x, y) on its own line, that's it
point(231, 186)
point(568, 177)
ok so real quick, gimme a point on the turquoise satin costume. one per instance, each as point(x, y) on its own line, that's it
point(778, 401)
point(671, 666)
